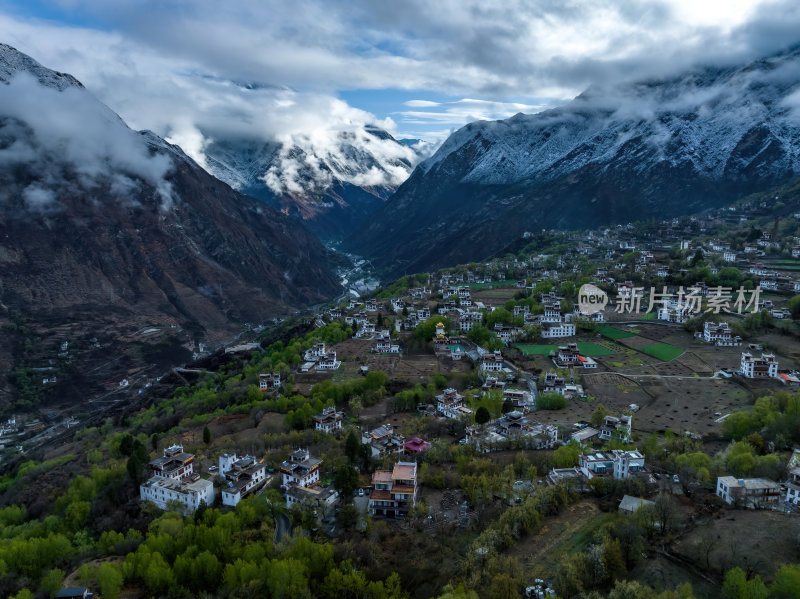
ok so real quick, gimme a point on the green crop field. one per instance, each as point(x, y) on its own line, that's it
point(662, 351)
point(495, 285)
point(614, 333)
point(587, 348)
point(593, 349)
point(649, 316)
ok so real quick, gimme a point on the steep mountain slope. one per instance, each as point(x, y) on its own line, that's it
point(116, 230)
point(331, 181)
point(650, 149)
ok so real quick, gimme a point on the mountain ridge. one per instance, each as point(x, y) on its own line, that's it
point(331, 182)
point(108, 231)
point(644, 149)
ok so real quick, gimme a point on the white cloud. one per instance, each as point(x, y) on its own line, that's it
point(66, 138)
point(463, 111)
point(173, 69)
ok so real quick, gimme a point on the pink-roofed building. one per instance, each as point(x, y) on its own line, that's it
point(415, 446)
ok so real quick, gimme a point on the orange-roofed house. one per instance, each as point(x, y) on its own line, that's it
point(394, 491)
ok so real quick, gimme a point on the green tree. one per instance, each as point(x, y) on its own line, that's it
point(793, 305)
point(551, 401)
point(503, 586)
point(736, 586)
point(109, 579)
point(345, 480)
point(786, 584)
point(206, 435)
point(599, 414)
point(482, 416)
point(352, 446)
point(567, 455)
point(51, 583)
point(613, 560)
point(348, 516)
point(650, 446)
point(459, 592)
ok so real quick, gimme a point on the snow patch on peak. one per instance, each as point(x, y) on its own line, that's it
point(699, 118)
point(364, 157)
point(14, 62)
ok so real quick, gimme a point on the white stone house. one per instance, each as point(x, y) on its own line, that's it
point(556, 331)
point(383, 441)
point(300, 469)
point(328, 362)
point(492, 362)
point(243, 476)
point(386, 347)
point(269, 380)
point(768, 284)
point(793, 486)
point(616, 427)
point(617, 463)
point(329, 421)
point(468, 320)
point(315, 352)
point(748, 492)
point(450, 403)
point(764, 367)
point(720, 334)
point(174, 480)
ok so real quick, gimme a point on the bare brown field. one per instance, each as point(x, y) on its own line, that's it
point(690, 404)
point(786, 347)
point(613, 390)
point(351, 349)
point(671, 368)
point(493, 297)
point(758, 541)
point(660, 333)
point(383, 413)
point(637, 342)
point(717, 357)
point(694, 363)
point(659, 572)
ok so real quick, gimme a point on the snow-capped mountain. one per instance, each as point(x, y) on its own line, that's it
point(331, 180)
point(116, 229)
point(643, 150)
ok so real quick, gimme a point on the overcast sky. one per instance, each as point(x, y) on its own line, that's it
point(200, 68)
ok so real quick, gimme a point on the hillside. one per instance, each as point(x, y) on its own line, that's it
point(106, 231)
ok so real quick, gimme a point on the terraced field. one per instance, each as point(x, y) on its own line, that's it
point(614, 333)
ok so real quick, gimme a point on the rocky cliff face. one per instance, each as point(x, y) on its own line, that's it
point(646, 150)
point(119, 230)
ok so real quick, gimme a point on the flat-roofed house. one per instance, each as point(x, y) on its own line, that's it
point(748, 492)
point(394, 492)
